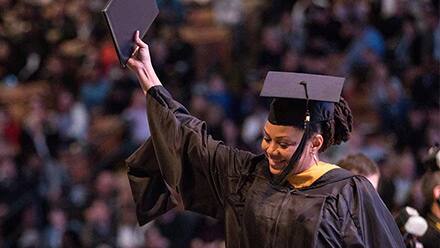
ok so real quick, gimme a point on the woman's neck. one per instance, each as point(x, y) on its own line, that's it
point(313, 162)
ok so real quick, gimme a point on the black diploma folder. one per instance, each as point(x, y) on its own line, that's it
point(124, 17)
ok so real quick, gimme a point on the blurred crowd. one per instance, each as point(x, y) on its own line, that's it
point(70, 115)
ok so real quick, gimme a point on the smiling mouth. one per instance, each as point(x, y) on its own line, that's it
point(278, 165)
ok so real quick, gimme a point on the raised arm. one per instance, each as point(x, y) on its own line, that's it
point(140, 64)
point(180, 165)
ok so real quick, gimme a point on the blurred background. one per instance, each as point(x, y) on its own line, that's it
point(69, 115)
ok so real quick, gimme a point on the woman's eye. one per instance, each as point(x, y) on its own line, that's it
point(284, 145)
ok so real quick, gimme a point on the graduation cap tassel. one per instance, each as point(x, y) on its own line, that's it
point(307, 118)
point(281, 179)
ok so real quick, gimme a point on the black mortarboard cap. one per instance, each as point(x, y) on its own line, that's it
point(295, 94)
point(124, 17)
point(300, 99)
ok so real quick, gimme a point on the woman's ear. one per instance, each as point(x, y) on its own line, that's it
point(316, 142)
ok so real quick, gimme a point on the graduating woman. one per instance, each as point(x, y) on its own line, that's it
point(285, 197)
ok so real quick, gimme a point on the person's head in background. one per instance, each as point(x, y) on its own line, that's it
point(431, 192)
point(431, 182)
point(360, 164)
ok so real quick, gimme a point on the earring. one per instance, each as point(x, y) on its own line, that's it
point(314, 157)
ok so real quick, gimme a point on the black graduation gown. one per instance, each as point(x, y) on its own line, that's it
point(182, 166)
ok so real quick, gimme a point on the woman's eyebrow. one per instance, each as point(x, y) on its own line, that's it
point(278, 137)
point(265, 133)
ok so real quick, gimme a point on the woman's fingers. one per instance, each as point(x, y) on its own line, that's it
point(138, 40)
point(131, 63)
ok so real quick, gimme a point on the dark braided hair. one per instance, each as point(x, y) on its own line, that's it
point(338, 129)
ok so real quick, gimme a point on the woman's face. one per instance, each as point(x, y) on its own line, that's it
point(279, 143)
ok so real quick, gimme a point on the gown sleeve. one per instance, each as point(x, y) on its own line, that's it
point(180, 165)
point(359, 218)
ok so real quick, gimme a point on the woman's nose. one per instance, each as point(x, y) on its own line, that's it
point(272, 149)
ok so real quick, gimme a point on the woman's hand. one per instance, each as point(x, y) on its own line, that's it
point(140, 63)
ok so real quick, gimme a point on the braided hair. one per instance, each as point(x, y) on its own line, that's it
point(338, 129)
